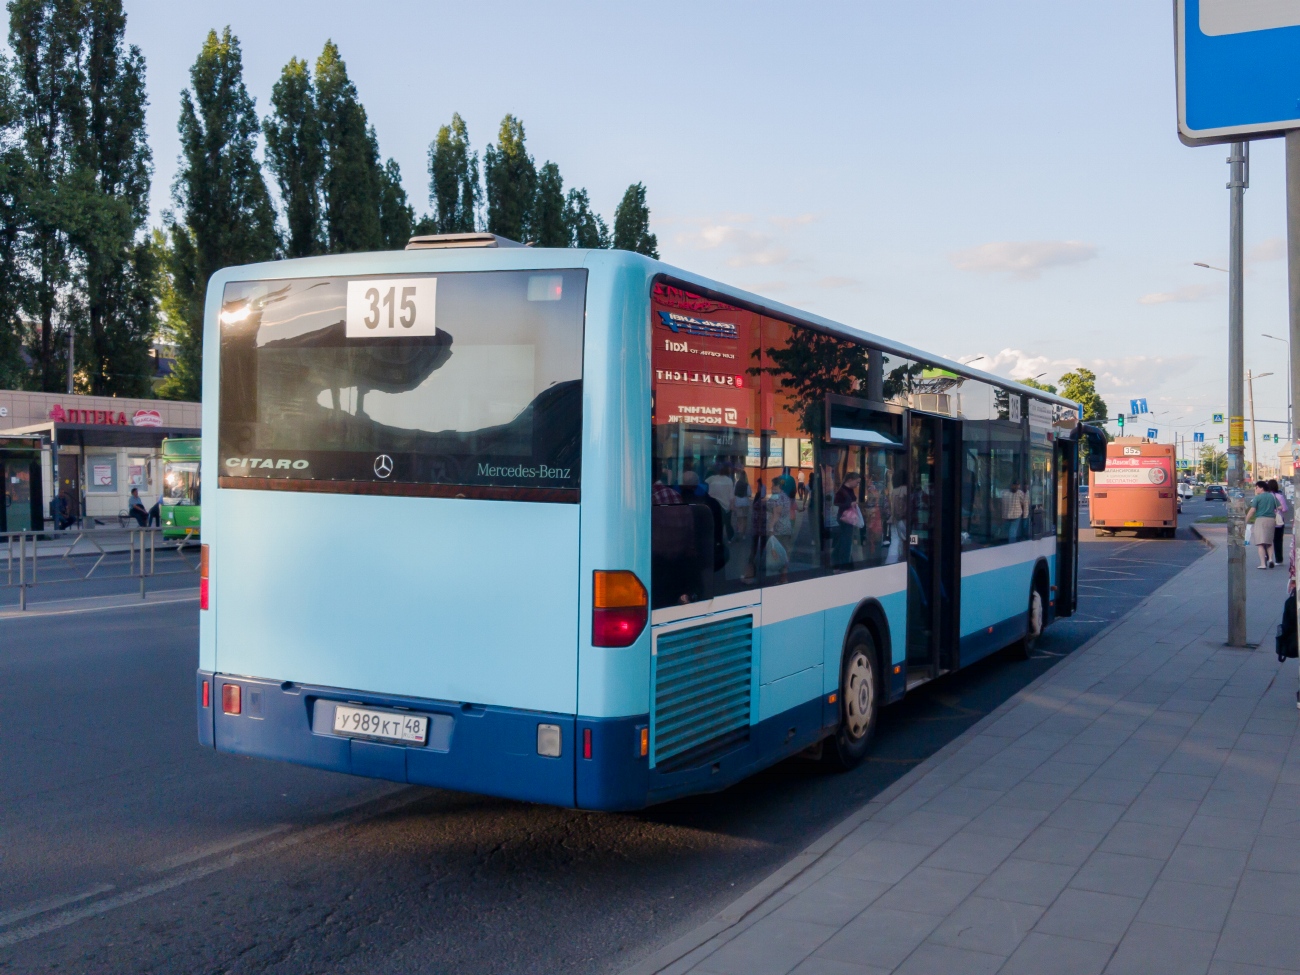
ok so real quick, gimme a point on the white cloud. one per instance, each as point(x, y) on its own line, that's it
point(1118, 379)
point(1188, 292)
point(733, 235)
point(787, 224)
point(1273, 249)
point(1023, 259)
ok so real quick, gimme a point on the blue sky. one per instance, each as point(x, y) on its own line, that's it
point(999, 179)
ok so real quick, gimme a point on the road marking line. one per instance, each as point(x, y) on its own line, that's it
point(34, 611)
point(65, 918)
point(212, 849)
point(50, 904)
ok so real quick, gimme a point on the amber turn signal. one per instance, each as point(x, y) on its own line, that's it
point(620, 608)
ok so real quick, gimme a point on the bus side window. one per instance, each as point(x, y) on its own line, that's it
point(681, 553)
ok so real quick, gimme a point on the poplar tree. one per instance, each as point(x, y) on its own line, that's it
point(511, 182)
point(453, 179)
point(351, 177)
point(13, 280)
point(114, 165)
point(632, 224)
point(586, 228)
point(45, 37)
point(295, 154)
point(547, 226)
point(396, 216)
point(224, 213)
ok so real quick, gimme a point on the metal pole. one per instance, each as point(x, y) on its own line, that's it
point(1254, 441)
point(1293, 282)
point(71, 355)
point(1239, 176)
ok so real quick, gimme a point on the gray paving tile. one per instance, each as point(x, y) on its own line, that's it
point(925, 828)
point(1162, 812)
point(1270, 893)
point(1090, 916)
point(825, 966)
point(772, 946)
point(1027, 882)
point(1205, 865)
point(1101, 788)
point(1054, 845)
point(1224, 832)
point(962, 801)
point(987, 924)
point(1091, 755)
point(1275, 854)
point(1118, 873)
point(1044, 796)
point(1009, 821)
point(1095, 817)
point(927, 890)
point(1259, 939)
point(834, 899)
point(973, 852)
point(1047, 954)
point(1142, 839)
point(1237, 968)
point(1061, 773)
point(994, 778)
point(930, 959)
point(1170, 785)
point(1149, 949)
point(879, 937)
point(884, 862)
point(1197, 907)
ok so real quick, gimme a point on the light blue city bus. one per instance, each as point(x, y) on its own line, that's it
point(581, 528)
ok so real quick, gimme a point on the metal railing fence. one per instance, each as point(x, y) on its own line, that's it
point(46, 558)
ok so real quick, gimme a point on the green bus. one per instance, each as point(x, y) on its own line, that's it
point(180, 502)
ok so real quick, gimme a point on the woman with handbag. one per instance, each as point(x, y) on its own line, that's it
point(848, 518)
point(1262, 519)
point(1280, 516)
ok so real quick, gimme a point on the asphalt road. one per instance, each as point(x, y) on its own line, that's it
point(127, 848)
point(94, 571)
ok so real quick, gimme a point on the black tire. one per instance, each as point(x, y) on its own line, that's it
point(1035, 620)
point(859, 700)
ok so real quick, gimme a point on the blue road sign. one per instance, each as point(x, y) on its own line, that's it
point(1218, 417)
point(1151, 433)
point(1235, 67)
point(1198, 438)
point(1137, 406)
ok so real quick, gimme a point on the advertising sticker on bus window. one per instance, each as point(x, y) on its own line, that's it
point(391, 307)
point(1134, 472)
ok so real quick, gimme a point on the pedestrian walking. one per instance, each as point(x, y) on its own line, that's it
point(1282, 509)
point(1262, 519)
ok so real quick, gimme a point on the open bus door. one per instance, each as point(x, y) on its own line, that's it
point(934, 550)
point(1067, 527)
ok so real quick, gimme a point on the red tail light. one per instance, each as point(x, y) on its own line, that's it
point(230, 699)
point(586, 743)
point(620, 608)
point(207, 694)
point(203, 579)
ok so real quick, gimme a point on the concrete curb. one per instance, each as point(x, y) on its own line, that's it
point(94, 604)
point(762, 899)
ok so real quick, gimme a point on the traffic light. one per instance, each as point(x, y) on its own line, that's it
point(1121, 422)
point(1220, 438)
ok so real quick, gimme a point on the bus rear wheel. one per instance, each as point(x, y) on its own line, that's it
point(1034, 622)
point(859, 702)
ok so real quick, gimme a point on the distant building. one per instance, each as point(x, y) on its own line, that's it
point(94, 449)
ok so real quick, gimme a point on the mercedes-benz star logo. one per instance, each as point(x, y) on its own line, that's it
point(383, 465)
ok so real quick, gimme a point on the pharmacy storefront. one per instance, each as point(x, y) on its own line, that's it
point(95, 449)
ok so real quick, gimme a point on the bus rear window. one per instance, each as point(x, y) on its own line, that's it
point(446, 385)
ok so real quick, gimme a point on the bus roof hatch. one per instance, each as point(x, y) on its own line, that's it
point(436, 241)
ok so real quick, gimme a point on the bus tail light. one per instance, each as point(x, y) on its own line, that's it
point(620, 608)
point(203, 578)
point(231, 699)
point(586, 743)
point(207, 694)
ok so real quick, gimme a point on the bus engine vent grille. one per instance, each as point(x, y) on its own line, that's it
point(702, 692)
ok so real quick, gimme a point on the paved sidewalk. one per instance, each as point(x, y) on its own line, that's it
point(1135, 810)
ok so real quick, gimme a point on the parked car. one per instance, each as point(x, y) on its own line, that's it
point(1215, 492)
point(1185, 491)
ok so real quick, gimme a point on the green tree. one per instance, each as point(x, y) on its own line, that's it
point(13, 278)
point(295, 154)
point(224, 213)
point(511, 182)
point(46, 38)
point(352, 184)
point(453, 179)
point(396, 216)
point(632, 224)
point(1214, 462)
point(547, 222)
point(1081, 386)
point(113, 165)
point(1035, 384)
point(585, 226)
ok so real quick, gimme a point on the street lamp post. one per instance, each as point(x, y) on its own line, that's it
point(1254, 441)
point(1289, 432)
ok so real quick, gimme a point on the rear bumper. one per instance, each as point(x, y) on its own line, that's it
point(470, 748)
